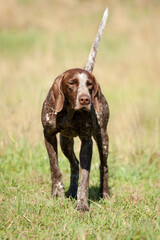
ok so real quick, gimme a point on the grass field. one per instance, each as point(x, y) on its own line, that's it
point(38, 41)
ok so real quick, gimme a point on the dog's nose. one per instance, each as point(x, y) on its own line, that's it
point(84, 99)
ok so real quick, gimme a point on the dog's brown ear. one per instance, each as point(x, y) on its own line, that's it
point(96, 94)
point(57, 94)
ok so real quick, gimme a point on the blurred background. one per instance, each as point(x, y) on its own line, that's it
point(41, 39)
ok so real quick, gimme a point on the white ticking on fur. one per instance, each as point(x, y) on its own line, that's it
point(82, 88)
point(47, 117)
point(82, 84)
point(92, 56)
point(59, 185)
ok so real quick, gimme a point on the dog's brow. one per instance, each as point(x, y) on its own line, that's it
point(72, 79)
point(82, 77)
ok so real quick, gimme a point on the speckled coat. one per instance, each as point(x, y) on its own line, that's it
point(75, 106)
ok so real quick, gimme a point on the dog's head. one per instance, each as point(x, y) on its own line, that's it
point(78, 87)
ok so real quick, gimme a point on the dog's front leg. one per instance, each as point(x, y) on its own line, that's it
point(56, 175)
point(85, 162)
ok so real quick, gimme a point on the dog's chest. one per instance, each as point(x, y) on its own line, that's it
point(79, 125)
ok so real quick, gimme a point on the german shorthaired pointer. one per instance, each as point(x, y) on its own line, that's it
point(75, 106)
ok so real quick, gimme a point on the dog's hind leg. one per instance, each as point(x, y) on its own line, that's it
point(67, 149)
point(102, 143)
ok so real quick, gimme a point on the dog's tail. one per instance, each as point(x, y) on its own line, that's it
point(92, 56)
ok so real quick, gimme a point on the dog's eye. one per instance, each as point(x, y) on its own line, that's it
point(72, 82)
point(89, 84)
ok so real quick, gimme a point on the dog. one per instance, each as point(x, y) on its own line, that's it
point(75, 106)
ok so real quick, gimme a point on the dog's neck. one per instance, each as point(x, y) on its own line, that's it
point(70, 110)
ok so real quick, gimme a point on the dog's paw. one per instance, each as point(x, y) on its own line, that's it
point(82, 205)
point(72, 192)
point(104, 194)
point(58, 189)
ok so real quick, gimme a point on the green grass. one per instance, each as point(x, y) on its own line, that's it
point(28, 212)
point(38, 41)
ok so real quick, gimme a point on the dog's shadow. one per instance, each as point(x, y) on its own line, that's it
point(93, 194)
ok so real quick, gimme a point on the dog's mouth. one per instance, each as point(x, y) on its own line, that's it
point(86, 108)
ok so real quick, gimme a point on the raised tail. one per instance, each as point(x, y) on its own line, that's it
point(92, 56)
